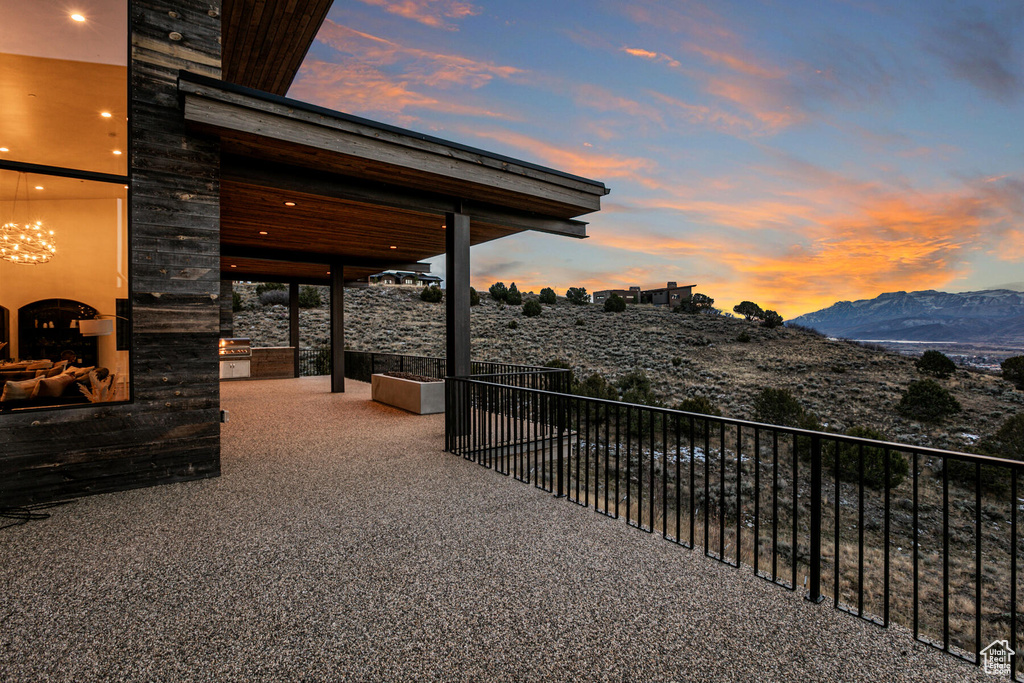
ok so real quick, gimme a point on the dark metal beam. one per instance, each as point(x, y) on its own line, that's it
point(243, 275)
point(293, 322)
point(337, 328)
point(457, 294)
point(270, 254)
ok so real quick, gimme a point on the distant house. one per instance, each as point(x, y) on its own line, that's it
point(670, 295)
point(631, 295)
point(404, 278)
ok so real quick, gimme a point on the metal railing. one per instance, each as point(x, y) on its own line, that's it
point(888, 532)
point(361, 365)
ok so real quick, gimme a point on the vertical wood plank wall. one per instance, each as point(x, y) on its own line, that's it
point(171, 431)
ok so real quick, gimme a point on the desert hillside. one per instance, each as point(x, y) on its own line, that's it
point(684, 355)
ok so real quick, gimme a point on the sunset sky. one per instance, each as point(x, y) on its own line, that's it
point(795, 153)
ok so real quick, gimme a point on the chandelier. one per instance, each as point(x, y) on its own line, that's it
point(26, 243)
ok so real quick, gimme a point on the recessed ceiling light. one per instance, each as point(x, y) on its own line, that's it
point(106, 114)
point(233, 265)
point(289, 203)
point(126, 187)
point(263, 232)
point(328, 272)
point(4, 149)
point(39, 187)
point(117, 152)
point(394, 247)
point(78, 17)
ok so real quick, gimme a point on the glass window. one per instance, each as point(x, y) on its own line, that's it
point(63, 84)
point(63, 291)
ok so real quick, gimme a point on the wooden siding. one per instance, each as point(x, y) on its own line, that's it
point(275, 362)
point(170, 431)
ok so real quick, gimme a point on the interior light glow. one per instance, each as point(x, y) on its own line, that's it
point(106, 114)
point(117, 152)
point(394, 247)
point(4, 149)
point(263, 232)
point(289, 203)
point(78, 17)
point(39, 187)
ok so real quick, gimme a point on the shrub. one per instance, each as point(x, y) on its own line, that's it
point(547, 296)
point(269, 287)
point(614, 304)
point(474, 297)
point(498, 291)
point(560, 364)
point(927, 401)
point(702, 406)
point(236, 301)
point(676, 361)
point(271, 297)
point(874, 460)
point(513, 298)
point(580, 322)
point(577, 296)
point(596, 386)
point(432, 294)
point(1007, 443)
point(309, 297)
point(532, 308)
point(935, 363)
point(512, 324)
point(743, 337)
point(771, 319)
point(749, 310)
point(1013, 370)
point(698, 303)
point(635, 387)
point(780, 407)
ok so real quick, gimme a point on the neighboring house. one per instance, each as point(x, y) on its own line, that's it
point(670, 295)
point(631, 295)
point(159, 148)
point(404, 278)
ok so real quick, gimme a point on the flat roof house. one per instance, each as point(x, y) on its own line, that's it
point(631, 295)
point(148, 157)
point(670, 295)
point(404, 278)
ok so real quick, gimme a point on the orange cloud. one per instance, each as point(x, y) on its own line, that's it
point(581, 162)
point(359, 88)
point(850, 240)
point(602, 99)
point(430, 12)
point(433, 69)
point(654, 56)
point(744, 65)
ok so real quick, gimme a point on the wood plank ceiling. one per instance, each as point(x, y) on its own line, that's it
point(265, 41)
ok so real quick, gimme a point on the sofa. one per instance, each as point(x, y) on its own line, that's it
point(38, 384)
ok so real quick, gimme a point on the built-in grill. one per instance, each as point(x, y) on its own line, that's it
point(235, 347)
point(235, 354)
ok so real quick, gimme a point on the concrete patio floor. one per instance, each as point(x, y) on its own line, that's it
point(341, 543)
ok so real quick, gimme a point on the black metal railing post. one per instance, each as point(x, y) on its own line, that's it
point(560, 456)
point(814, 578)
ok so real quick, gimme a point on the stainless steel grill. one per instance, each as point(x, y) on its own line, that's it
point(234, 348)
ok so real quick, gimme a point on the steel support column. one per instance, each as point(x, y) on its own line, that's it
point(293, 323)
point(337, 328)
point(457, 294)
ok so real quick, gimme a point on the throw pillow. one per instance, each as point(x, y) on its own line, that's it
point(53, 387)
point(19, 391)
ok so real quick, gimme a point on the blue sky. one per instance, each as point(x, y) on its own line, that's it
point(791, 153)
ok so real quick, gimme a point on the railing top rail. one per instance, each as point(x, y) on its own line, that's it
point(795, 431)
point(545, 371)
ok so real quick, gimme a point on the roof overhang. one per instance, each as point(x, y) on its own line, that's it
point(264, 42)
point(300, 178)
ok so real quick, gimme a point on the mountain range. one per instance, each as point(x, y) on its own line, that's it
point(994, 316)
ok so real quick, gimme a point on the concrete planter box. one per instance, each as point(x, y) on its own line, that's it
point(423, 398)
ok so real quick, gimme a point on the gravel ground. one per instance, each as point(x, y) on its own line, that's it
point(342, 544)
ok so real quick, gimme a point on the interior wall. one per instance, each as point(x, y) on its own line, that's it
point(90, 266)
